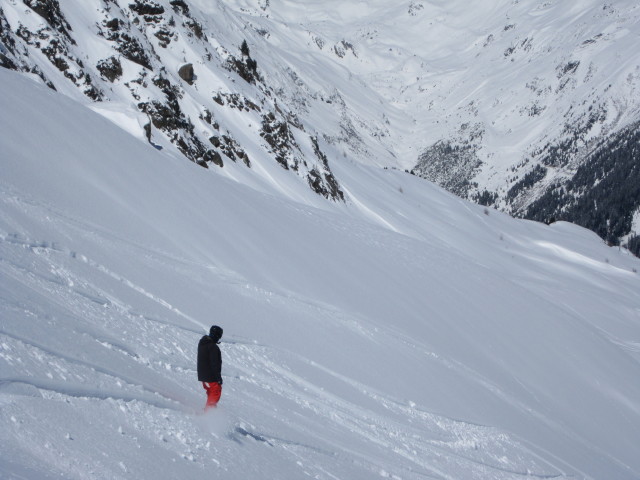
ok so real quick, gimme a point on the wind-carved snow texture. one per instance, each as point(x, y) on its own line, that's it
point(403, 333)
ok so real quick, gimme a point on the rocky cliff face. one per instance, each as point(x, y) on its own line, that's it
point(190, 87)
point(504, 103)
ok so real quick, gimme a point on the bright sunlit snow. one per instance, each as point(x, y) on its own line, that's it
point(404, 334)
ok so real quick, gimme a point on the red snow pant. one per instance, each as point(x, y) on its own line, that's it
point(214, 390)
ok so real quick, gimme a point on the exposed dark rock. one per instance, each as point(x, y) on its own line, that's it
point(246, 66)
point(186, 73)
point(172, 92)
point(211, 156)
point(233, 150)
point(55, 48)
point(567, 69)
point(125, 43)
point(50, 11)
point(243, 156)
point(6, 62)
point(164, 37)
point(207, 116)
point(35, 69)
point(341, 48)
point(180, 6)
point(132, 28)
point(6, 39)
point(235, 100)
point(319, 153)
point(113, 24)
point(146, 7)
point(57, 53)
point(196, 28)
point(147, 131)
point(325, 185)
point(7, 44)
point(132, 50)
point(163, 116)
point(279, 137)
point(91, 90)
point(110, 68)
point(169, 118)
point(315, 181)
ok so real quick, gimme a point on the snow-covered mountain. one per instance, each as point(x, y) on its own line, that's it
point(532, 107)
point(403, 333)
point(375, 325)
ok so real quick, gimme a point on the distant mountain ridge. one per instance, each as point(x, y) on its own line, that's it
point(504, 104)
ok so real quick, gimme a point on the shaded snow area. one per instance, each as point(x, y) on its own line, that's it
point(403, 334)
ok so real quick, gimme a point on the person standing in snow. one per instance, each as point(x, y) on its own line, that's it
point(210, 365)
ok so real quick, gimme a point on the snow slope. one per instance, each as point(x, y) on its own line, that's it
point(403, 334)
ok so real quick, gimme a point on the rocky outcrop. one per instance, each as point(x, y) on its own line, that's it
point(245, 66)
point(110, 68)
point(49, 10)
point(138, 33)
point(186, 73)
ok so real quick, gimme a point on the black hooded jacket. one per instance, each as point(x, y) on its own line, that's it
point(209, 360)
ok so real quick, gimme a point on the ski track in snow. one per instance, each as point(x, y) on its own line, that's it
point(465, 348)
point(406, 442)
point(455, 445)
